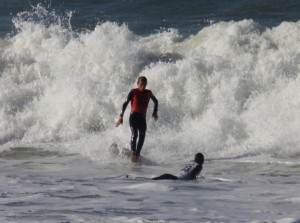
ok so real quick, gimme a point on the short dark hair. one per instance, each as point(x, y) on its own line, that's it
point(199, 158)
point(142, 78)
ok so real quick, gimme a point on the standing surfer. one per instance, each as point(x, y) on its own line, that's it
point(139, 98)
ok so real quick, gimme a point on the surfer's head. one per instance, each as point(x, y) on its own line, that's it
point(199, 158)
point(142, 83)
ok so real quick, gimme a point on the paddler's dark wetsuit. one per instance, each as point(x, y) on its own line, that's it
point(189, 172)
point(137, 119)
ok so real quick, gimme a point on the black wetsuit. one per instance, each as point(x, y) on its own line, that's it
point(137, 119)
point(189, 172)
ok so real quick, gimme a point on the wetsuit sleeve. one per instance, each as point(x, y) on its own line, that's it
point(195, 172)
point(155, 103)
point(128, 99)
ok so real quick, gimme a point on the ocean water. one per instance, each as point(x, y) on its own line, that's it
point(226, 74)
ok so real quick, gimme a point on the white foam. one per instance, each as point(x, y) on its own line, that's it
point(294, 200)
point(284, 220)
point(155, 187)
point(135, 220)
point(229, 91)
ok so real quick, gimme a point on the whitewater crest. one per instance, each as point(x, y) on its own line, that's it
point(231, 90)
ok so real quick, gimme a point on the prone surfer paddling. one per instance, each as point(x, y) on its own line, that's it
point(189, 172)
point(139, 98)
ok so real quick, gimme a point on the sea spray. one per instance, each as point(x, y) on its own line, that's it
point(231, 90)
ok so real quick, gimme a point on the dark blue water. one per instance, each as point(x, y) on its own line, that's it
point(148, 16)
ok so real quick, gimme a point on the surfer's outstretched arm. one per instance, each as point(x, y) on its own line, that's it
point(155, 101)
point(128, 99)
point(195, 172)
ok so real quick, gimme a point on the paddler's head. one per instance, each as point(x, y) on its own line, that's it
point(142, 83)
point(199, 158)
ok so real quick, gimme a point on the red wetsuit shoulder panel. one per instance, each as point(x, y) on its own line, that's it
point(140, 100)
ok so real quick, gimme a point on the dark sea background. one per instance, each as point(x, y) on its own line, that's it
point(146, 17)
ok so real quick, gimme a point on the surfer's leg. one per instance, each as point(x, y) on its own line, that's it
point(142, 135)
point(134, 132)
point(166, 176)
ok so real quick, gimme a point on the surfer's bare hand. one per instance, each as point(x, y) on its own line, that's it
point(154, 115)
point(119, 122)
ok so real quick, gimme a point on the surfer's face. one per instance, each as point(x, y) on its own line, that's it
point(142, 85)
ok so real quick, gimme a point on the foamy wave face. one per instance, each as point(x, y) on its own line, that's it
point(236, 91)
point(55, 86)
point(231, 90)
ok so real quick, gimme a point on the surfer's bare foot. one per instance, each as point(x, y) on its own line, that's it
point(134, 158)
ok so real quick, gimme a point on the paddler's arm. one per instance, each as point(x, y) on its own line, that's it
point(195, 172)
point(120, 119)
point(154, 115)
